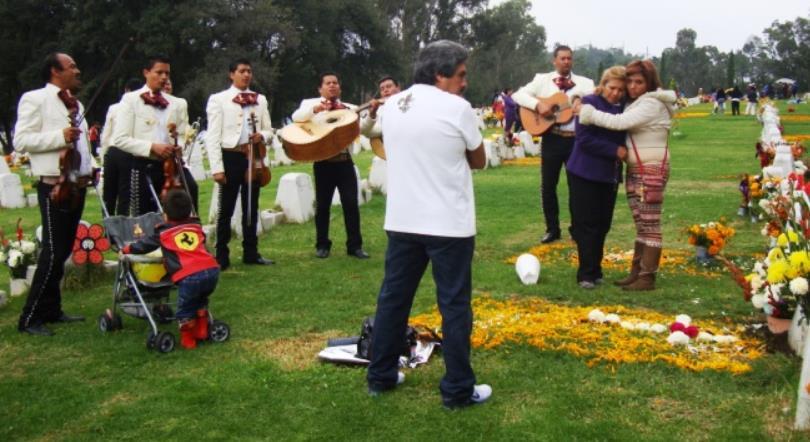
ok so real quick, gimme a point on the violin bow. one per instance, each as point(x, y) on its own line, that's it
point(106, 79)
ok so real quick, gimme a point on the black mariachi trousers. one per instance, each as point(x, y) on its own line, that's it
point(141, 199)
point(554, 154)
point(117, 165)
point(59, 223)
point(236, 164)
point(340, 175)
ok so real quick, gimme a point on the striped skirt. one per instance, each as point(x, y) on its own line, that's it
point(647, 217)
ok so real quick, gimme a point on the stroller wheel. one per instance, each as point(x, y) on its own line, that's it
point(164, 342)
point(105, 324)
point(150, 341)
point(219, 331)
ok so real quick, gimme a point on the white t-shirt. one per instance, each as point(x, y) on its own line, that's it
point(430, 192)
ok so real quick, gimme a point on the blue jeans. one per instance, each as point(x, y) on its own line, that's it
point(406, 259)
point(193, 292)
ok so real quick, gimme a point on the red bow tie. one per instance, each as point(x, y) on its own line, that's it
point(246, 99)
point(157, 100)
point(71, 103)
point(334, 104)
point(564, 83)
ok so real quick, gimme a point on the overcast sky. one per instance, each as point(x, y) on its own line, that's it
point(649, 26)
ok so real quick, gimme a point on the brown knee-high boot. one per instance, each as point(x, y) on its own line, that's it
point(649, 266)
point(635, 266)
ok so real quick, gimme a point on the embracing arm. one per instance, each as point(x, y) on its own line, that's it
point(637, 116)
point(595, 144)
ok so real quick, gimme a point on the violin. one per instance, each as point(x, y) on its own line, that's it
point(66, 190)
point(174, 177)
point(257, 170)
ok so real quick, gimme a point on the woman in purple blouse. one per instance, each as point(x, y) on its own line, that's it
point(594, 173)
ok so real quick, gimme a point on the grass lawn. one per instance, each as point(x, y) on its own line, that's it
point(265, 383)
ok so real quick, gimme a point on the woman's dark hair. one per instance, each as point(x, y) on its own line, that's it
point(646, 69)
point(441, 57)
point(51, 62)
point(177, 205)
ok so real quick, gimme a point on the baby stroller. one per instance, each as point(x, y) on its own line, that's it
point(141, 288)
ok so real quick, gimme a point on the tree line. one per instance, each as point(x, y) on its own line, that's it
point(291, 41)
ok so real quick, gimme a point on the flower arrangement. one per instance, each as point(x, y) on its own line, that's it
point(491, 119)
point(713, 236)
point(19, 254)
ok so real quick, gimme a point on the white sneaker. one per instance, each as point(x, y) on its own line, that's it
point(481, 393)
point(400, 377)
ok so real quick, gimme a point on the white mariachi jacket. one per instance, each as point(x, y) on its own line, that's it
point(138, 125)
point(41, 120)
point(107, 130)
point(226, 121)
point(371, 127)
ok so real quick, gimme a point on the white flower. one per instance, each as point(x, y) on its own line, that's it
point(643, 326)
point(15, 258)
point(798, 286)
point(758, 301)
point(759, 268)
point(764, 232)
point(28, 247)
point(678, 338)
point(658, 328)
point(703, 226)
point(612, 318)
point(703, 336)
point(684, 319)
point(596, 315)
point(627, 325)
point(725, 339)
point(756, 283)
point(712, 225)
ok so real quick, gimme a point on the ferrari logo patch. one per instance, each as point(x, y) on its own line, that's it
point(187, 241)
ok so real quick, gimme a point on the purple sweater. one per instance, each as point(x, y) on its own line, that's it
point(594, 154)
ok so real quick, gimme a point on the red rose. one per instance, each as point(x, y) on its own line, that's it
point(677, 326)
point(692, 331)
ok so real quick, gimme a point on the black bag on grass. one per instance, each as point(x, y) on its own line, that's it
point(367, 336)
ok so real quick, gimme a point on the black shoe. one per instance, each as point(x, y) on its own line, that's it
point(224, 263)
point(550, 237)
point(359, 254)
point(69, 318)
point(37, 330)
point(322, 253)
point(259, 261)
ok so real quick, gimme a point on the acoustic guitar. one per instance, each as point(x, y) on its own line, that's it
point(323, 136)
point(537, 124)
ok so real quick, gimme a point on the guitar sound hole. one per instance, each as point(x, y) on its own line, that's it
point(331, 120)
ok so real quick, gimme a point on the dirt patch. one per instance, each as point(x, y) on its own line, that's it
point(291, 354)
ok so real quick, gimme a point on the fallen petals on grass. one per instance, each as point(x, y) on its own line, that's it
point(550, 326)
point(796, 138)
point(672, 260)
point(527, 161)
point(682, 115)
point(795, 118)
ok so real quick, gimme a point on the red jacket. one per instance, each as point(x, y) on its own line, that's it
point(183, 247)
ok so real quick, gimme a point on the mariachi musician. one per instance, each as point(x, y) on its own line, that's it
point(370, 124)
point(116, 162)
point(336, 172)
point(47, 128)
point(558, 142)
point(149, 122)
point(238, 122)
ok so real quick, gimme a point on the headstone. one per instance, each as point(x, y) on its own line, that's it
point(18, 287)
point(365, 143)
point(365, 190)
point(210, 231)
point(195, 162)
point(32, 199)
point(356, 147)
point(281, 158)
point(378, 176)
point(11, 191)
point(296, 197)
point(528, 144)
point(271, 219)
point(493, 160)
point(236, 219)
point(29, 274)
point(4, 166)
point(518, 151)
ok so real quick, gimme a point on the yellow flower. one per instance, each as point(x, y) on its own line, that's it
point(777, 271)
point(776, 254)
point(782, 240)
point(800, 260)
